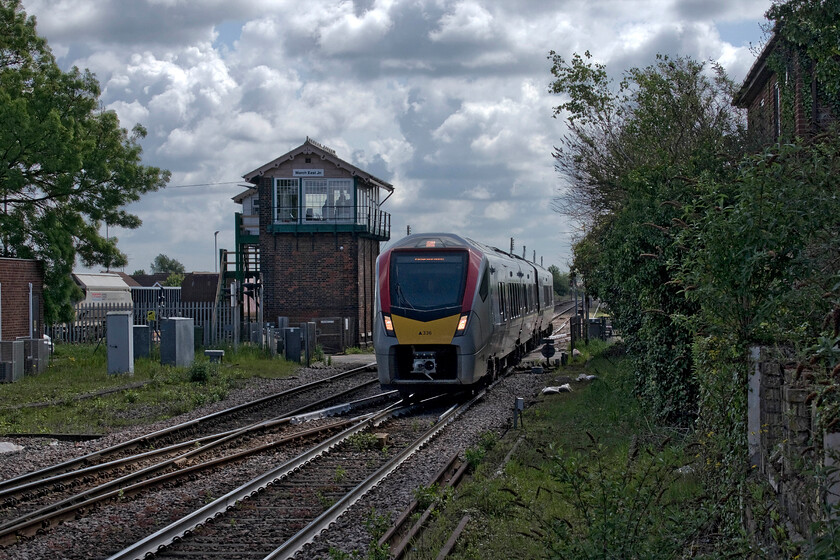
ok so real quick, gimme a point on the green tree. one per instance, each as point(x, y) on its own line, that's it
point(67, 166)
point(162, 264)
point(631, 160)
point(174, 280)
point(560, 279)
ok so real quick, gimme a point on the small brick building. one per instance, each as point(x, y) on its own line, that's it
point(762, 96)
point(320, 226)
point(21, 298)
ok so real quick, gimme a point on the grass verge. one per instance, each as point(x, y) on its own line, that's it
point(589, 478)
point(76, 395)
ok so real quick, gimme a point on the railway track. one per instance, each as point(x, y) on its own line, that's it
point(231, 419)
point(187, 457)
point(40, 504)
point(307, 493)
point(412, 521)
point(111, 525)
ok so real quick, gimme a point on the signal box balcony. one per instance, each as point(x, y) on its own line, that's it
point(367, 221)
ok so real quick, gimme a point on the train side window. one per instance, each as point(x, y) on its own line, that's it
point(516, 308)
point(502, 299)
point(484, 287)
point(517, 297)
point(512, 300)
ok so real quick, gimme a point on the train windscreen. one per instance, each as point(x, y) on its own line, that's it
point(423, 282)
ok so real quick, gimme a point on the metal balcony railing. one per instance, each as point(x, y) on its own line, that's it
point(365, 219)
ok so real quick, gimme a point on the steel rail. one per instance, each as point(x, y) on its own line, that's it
point(34, 525)
point(402, 545)
point(206, 442)
point(148, 438)
point(306, 535)
point(453, 538)
point(179, 528)
point(401, 521)
point(46, 515)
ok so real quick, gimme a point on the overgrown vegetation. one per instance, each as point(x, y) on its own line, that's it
point(592, 477)
point(703, 248)
point(632, 157)
point(76, 395)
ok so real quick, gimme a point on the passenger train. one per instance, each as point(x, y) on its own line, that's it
point(452, 313)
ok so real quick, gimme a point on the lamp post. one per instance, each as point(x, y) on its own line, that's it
point(216, 250)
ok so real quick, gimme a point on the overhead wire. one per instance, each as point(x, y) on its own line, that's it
point(204, 185)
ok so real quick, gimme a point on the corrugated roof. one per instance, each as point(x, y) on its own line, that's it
point(103, 281)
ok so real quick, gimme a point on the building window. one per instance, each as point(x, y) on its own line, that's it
point(328, 200)
point(286, 200)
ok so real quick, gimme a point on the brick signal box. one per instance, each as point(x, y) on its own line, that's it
point(320, 226)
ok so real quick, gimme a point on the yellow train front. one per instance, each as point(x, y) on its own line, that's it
point(452, 312)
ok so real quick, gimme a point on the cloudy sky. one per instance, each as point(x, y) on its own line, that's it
point(445, 99)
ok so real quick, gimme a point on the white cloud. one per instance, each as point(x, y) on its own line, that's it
point(469, 21)
point(350, 33)
point(129, 114)
point(446, 99)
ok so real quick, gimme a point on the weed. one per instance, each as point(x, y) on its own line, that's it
point(432, 495)
point(362, 441)
point(325, 501)
point(376, 524)
point(474, 456)
point(377, 552)
point(340, 474)
point(488, 440)
point(336, 554)
point(357, 350)
point(619, 512)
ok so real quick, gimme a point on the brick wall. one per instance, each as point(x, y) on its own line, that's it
point(810, 115)
point(787, 440)
point(760, 113)
point(15, 276)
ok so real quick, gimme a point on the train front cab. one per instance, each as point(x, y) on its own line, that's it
point(430, 334)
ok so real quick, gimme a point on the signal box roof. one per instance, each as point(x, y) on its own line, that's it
point(326, 154)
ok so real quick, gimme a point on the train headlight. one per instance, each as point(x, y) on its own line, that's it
point(462, 324)
point(389, 325)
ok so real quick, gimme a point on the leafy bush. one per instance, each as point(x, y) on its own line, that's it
point(200, 372)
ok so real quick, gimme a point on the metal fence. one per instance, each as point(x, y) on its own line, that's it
point(214, 320)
